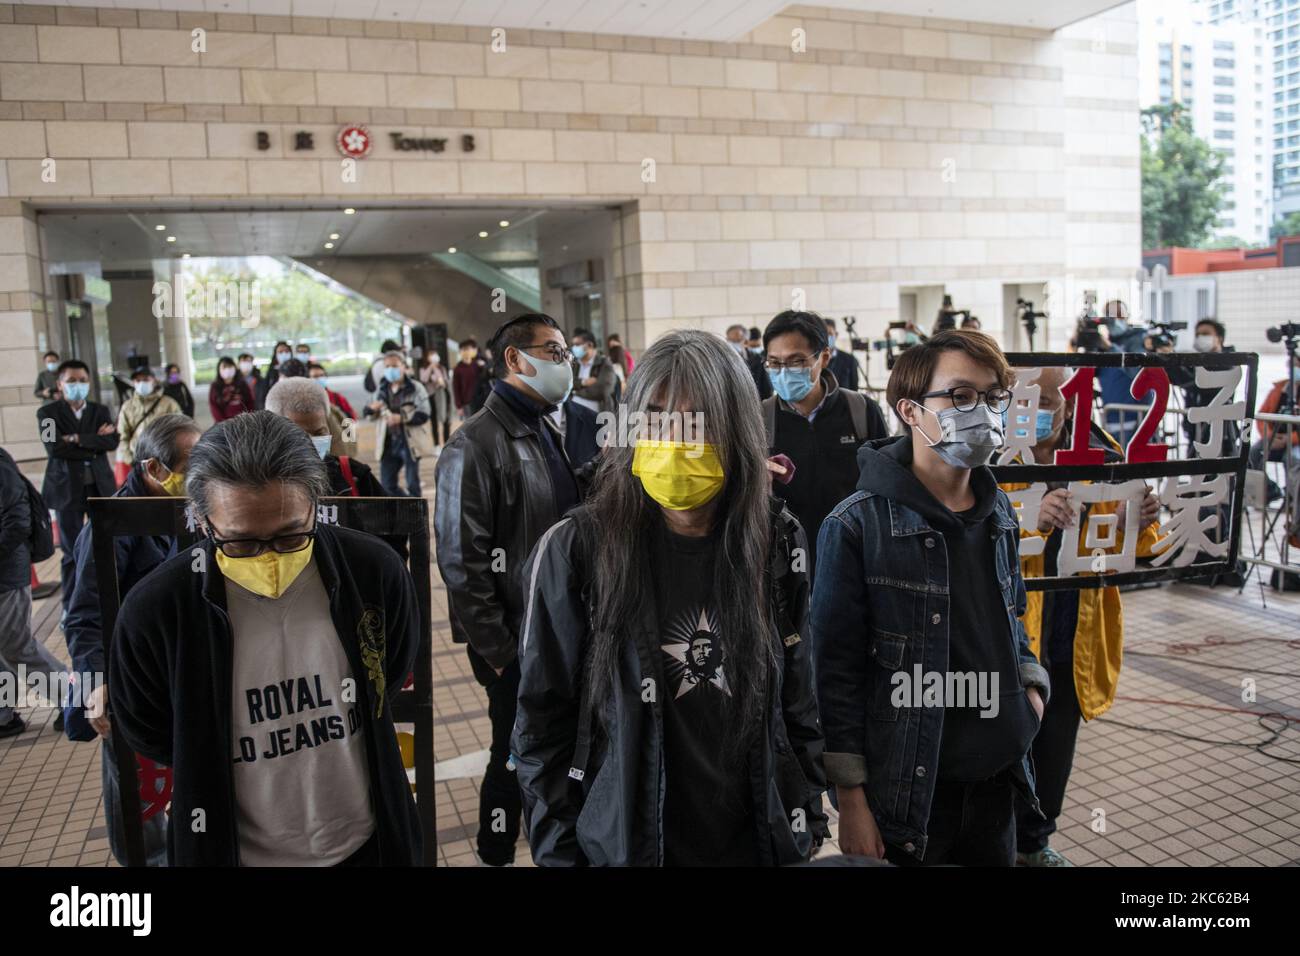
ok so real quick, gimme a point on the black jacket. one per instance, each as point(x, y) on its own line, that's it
point(135, 557)
point(844, 366)
point(614, 817)
point(15, 527)
point(368, 486)
point(171, 687)
point(758, 372)
point(602, 393)
point(825, 454)
point(580, 431)
point(180, 392)
point(64, 486)
point(495, 497)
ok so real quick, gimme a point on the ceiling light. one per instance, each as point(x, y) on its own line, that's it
point(171, 238)
point(482, 235)
point(504, 223)
point(349, 211)
point(329, 245)
point(160, 228)
point(334, 235)
point(451, 248)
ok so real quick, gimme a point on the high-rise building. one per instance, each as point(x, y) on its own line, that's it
point(1279, 21)
point(1218, 71)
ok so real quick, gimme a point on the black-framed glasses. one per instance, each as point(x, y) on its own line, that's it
point(252, 547)
point(555, 352)
point(964, 398)
point(800, 362)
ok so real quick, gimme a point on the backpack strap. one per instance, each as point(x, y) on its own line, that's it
point(345, 466)
point(857, 411)
point(769, 420)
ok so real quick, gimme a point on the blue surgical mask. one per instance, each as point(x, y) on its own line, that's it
point(144, 389)
point(322, 381)
point(76, 391)
point(283, 356)
point(322, 443)
point(393, 374)
point(1043, 424)
point(792, 384)
point(51, 366)
point(579, 351)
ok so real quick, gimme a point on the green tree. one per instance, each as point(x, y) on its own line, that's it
point(1288, 225)
point(1226, 242)
point(1181, 196)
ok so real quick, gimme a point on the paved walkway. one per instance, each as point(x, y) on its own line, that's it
point(1180, 772)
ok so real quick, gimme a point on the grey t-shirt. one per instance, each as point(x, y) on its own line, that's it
point(302, 790)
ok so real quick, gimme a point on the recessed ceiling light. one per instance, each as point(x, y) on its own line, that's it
point(185, 255)
point(482, 235)
point(171, 238)
point(451, 248)
point(349, 211)
point(160, 228)
point(334, 235)
point(504, 223)
point(329, 245)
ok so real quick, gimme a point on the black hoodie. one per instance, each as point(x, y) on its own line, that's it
point(973, 747)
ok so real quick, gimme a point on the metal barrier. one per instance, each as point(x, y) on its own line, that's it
point(405, 517)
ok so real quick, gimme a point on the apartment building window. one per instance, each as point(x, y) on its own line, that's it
point(1224, 63)
point(1221, 117)
point(1229, 81)
point(1226, 98)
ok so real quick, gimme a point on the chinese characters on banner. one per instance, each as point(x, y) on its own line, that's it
point(1200, 497)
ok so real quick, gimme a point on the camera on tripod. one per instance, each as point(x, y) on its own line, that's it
point(1288, 330)
point(1030, 318)
point(1162, 335)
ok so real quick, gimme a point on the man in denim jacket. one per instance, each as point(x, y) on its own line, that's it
point(929, 695)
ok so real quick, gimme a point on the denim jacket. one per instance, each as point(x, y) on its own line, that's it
point(880, 606)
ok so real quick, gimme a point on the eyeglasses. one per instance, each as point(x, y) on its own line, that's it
point(252, 547)
point(964, 398)
point(796, 361)
point(556, 353)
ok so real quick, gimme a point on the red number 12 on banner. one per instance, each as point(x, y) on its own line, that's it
point(1078, 389)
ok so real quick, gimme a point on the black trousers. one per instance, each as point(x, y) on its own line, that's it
point(70, 522)
point(500, 803)
point(971, 824)
point(1053, 753)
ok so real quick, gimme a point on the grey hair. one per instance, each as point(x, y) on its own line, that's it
point(696, 371)
point(254, 450)
point(297, 396)
point(158, 438)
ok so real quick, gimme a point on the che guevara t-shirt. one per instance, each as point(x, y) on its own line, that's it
point(708, 804)
point(302, 790)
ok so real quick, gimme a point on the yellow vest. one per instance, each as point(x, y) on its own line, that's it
point(1099, 634)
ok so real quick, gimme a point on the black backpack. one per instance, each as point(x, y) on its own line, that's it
point(41, 538)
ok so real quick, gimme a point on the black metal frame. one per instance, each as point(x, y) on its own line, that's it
point(1235, 465)
point(409, 517)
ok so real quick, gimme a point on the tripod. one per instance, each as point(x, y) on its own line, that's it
point(1291, 475)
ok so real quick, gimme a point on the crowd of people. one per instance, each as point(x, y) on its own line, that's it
point(688, 593)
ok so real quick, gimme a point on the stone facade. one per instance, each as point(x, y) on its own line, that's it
point(890, 151)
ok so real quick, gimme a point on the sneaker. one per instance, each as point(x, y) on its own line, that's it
point(1044, 857)
point(58, 721)
point(13, 728)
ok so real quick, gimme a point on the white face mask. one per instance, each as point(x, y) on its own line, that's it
point(551, 380)
point(227, 373)
point(322, 443)
point(245, 367)
point(144, 389)
point(1204, 343)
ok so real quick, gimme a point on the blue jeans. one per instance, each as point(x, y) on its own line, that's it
point(396, 457)
point(155, 828)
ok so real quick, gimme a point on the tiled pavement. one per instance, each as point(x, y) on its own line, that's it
point(1137, 796)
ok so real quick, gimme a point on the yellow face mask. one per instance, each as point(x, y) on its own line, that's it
point(679, 475)
point(269, 574)
point(174, 484)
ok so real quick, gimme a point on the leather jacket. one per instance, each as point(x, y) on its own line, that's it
point(495, 499)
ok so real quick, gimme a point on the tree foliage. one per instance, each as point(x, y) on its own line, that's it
point(1181, 194)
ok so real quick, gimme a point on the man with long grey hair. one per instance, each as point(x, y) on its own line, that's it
point(260, 665)
point(664, 648)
